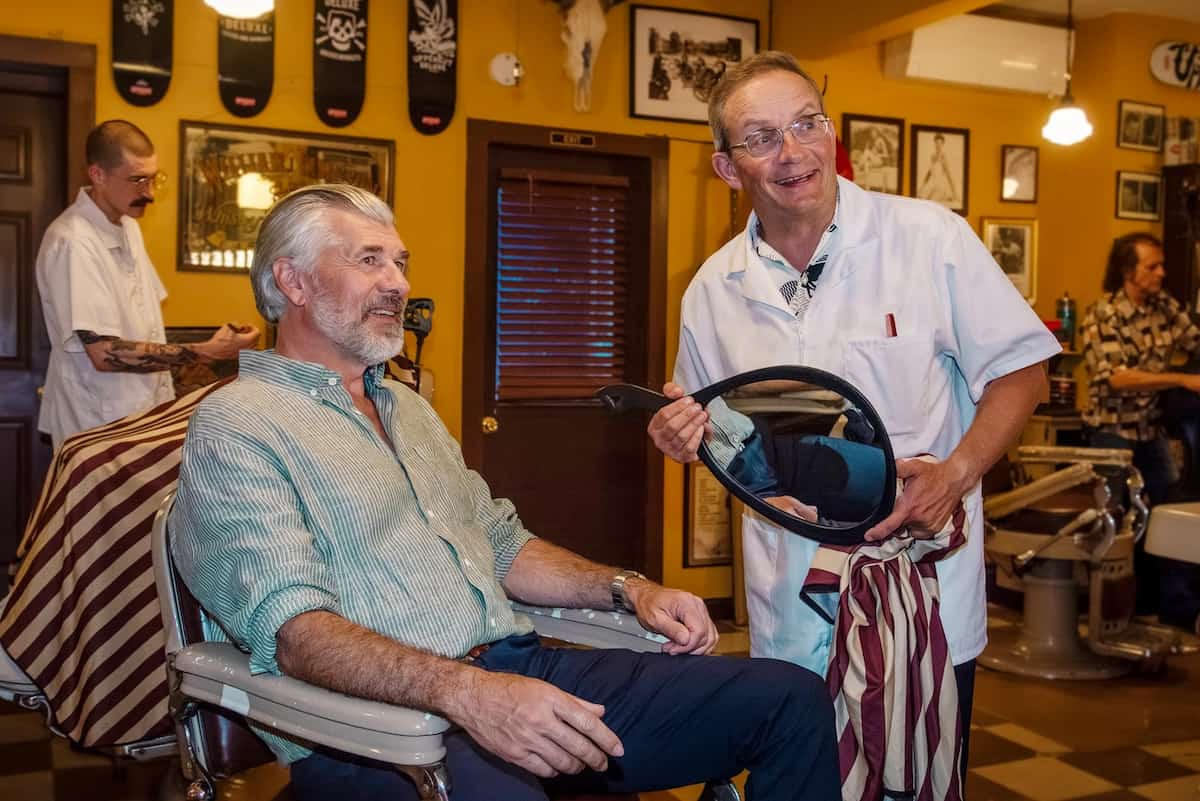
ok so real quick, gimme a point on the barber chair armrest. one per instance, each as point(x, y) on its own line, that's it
point(592, 628)
point(1005, 503)
point(219, 674)
point(1053, 454)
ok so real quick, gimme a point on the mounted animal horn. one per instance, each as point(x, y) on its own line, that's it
point(583, 32)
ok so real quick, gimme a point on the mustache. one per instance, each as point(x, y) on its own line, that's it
point(141, 202)
point(391, 301)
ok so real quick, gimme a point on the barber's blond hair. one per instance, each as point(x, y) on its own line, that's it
point(743, 72)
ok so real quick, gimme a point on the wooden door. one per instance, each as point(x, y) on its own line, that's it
point(32, 181)
point(564, 286)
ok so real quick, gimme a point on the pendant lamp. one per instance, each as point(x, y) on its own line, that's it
point(241, 9)
point(1068, 124)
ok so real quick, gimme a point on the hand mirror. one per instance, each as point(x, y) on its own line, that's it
point(800, 446)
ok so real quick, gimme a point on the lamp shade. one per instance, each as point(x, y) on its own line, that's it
point(241, 9)
point(1068, 125)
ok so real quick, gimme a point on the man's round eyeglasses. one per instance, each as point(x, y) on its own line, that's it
point(767, 141)
point(158, 180)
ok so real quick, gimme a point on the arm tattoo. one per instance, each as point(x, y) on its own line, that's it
point(122, 355)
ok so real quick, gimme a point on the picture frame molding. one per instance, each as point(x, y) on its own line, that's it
point(326, 142)
point(1162, 116)
point(848, 119)
point(1140, 216)
point(634, 52)
point(985, 223)
point(914, 139)
point(1037, 155)
point(695, 474)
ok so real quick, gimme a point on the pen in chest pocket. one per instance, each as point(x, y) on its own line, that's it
point(889, 324)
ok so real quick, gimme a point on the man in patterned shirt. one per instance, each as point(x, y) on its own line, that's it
point(1130, 338)
point(327, 522)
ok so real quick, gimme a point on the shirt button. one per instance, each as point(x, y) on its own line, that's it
point(356, 411)
point(492, 621)
point(332, 381)
point(312, 392)
point(467, 562)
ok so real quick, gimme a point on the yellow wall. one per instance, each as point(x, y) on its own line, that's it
point(1075, 207)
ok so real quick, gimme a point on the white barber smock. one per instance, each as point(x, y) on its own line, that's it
point(96, 276)
point(960, 323)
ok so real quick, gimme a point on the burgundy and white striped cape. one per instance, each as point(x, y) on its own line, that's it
point(890, 674)
point(83, 618)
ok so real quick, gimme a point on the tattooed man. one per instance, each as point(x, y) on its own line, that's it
point(101, 295)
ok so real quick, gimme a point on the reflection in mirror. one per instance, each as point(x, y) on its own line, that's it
point(806, 450)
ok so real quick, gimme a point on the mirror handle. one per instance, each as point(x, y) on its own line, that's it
point(619, 398)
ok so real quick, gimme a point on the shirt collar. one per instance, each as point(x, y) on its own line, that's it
point(113, 234)
point(824, 246)
point(269, 366)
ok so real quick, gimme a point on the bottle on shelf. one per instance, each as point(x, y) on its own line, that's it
point(1066, 316)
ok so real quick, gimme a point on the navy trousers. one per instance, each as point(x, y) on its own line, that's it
point(682, 719)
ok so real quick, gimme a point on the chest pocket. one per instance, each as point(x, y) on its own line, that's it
point(894, 373)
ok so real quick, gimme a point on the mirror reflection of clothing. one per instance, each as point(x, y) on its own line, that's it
point(960, 324)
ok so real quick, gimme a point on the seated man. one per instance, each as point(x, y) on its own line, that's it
point(326, 520)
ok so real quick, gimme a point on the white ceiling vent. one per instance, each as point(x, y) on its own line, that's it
point(982, 51)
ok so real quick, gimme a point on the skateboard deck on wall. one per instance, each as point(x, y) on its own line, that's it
point(432, 63)
point(339, 60)
point(141, 49)
point(246, 63)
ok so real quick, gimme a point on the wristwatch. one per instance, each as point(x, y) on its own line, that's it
point(620, 601)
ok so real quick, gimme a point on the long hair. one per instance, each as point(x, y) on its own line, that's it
point(1124, 257)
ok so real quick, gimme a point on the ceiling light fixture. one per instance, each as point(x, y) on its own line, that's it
point(1068, 124)
point(241, 9)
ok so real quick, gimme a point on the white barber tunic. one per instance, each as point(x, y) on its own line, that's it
point(96, 276)
point(959, 324)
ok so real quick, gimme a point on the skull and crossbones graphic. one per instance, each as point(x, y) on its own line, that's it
point(342, 28)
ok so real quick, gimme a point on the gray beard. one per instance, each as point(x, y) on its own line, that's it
point(349, 333)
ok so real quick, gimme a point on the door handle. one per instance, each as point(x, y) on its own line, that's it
point(40, 392)
point(489, 425)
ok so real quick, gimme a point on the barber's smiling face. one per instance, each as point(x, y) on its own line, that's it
point(799, 180)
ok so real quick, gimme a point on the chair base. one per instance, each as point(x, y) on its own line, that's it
point(1047, 644)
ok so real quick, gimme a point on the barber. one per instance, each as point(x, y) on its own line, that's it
point(897, 296)
point(1130, 337)
point(101, 294)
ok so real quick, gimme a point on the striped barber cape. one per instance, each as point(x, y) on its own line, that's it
point(890, 674)
point(82, 619)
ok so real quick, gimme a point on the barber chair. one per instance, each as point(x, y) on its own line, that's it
point(213, 695)
point(1045, 532)
point(1174, 533)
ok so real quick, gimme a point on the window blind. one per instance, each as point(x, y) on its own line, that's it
point(562, 284)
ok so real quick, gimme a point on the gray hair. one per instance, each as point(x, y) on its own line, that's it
point(743, 72)
point(296, 228)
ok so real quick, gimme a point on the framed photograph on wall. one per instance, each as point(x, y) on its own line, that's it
point(229, 175)
point(876, 148)
point(938, 169)
point(676, 58)
point(707, 534)
point(1013, 244)
point(1139, 195)
point(1018, 173)
point(1140, 126)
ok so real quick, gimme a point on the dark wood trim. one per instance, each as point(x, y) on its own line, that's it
point(79, 60)
point(720, 608)
point(481, 135)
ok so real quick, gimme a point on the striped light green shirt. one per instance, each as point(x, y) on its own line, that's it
point(289, 501)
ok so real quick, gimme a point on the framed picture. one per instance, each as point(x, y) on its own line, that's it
point(1018, 173)
point(229, 176)
point(939, 165)
point(1013, 243)
point(1140, 125)
point(876, 147)
point(1139, 195)
point(707, 535)
point(676, 58)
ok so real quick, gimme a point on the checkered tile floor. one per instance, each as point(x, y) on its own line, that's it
point(1135, 738)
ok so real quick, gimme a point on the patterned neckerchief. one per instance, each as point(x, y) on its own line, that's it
point(797, 292)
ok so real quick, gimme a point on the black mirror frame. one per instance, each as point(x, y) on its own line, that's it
point(823, 534)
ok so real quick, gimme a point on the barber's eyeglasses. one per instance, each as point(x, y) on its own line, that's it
point(157, 181)
point(767, 141)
